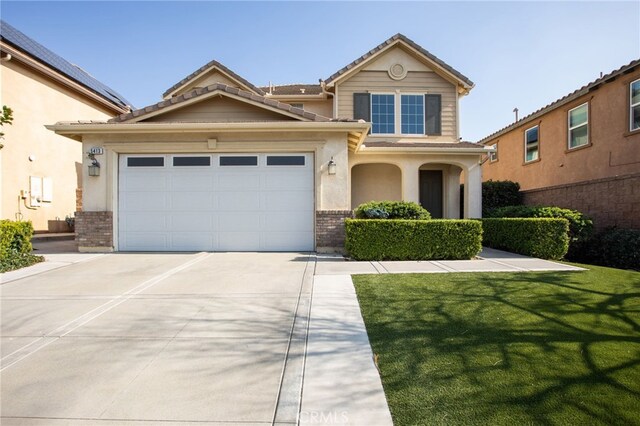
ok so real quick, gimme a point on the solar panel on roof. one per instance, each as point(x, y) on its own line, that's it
point(31, 47)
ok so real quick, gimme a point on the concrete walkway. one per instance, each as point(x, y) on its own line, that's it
point(283, 338)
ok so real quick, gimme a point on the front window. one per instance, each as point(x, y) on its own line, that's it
point(412, 113)
point(383, 114)
point(531, 144)
point(579, 126)
point(634, 98)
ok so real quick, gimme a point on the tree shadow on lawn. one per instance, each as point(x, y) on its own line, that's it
point(541, 348)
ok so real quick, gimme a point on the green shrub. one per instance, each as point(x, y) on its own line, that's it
point(546, 238)
point(496, 193)
point(391, 210)
point(412, 239)
point(15, 245)
point(614, 247)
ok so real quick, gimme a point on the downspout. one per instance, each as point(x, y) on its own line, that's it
point(327, 93)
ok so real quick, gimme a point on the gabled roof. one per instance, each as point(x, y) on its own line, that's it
point(218, 88)
point(293, 89)
point(394, 40)
point(208, 66)
point(32, 48)
point(630, 67)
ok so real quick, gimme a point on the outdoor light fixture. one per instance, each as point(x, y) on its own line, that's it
point(94, 167)
point(332, 167)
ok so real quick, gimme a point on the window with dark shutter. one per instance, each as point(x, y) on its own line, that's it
point(433, 118)
point(362, 106)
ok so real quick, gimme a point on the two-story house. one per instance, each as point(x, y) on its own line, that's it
point(40, 172)
point(221, 164)
point(580, 152)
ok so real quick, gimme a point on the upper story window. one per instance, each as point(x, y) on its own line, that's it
point(400, 113)
point(383, 114)
point(579, 126)
point(634, 101)
point(412, 114)
point(493, 156)
point(531, 144)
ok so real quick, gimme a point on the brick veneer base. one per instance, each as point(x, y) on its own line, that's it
point(609, 202)
point(94, 231)
point(330, 230)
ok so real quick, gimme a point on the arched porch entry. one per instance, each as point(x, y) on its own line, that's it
point(375, 182)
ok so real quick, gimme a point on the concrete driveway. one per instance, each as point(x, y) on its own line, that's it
point(208, 337)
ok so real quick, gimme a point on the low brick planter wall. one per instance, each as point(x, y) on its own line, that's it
point(330, 232)
point(94, 231)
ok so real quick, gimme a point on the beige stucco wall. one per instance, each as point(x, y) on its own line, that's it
point(420, 79)
point(375, 182)
point(37, 100)
point(332, 193)
point(452, 165)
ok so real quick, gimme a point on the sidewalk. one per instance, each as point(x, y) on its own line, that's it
point(341, 381)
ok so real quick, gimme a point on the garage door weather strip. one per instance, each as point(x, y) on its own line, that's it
point(50, 337)
point(289, 398)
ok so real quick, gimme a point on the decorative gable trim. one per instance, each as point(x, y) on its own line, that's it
point(399, 39)
point(211, 66)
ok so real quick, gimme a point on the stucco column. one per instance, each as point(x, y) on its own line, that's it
point(453, 193)
point(473, 192)
point(411, 183)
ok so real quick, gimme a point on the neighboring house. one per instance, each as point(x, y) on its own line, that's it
point(580, 152)
point(221, 164)
point(39, 170)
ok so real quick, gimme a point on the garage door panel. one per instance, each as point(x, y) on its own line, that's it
point(150, 222)
point(191, 201)
point(217, 207)
point(144, 201)
point(146, 180)
point(238, 181)
point(192, 181)
point(191, 222)
point(288, 223)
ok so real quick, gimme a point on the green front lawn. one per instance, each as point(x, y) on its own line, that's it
point(507, 348)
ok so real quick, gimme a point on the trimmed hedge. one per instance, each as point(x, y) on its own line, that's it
point(391, 210)
point(614, 247)
point(412, 239)
point(15, 245)
point(546, 238)
point(495, 194)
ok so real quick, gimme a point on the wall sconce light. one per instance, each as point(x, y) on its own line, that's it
point(331, 167)
point(94, 167)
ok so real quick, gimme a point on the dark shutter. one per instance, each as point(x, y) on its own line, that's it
point(433, 119)
point(362, 106)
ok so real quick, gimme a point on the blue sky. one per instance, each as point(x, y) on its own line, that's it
point(519, 54)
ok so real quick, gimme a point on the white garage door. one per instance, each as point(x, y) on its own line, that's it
point(219, 202)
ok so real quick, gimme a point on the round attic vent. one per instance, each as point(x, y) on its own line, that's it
point(397, 71)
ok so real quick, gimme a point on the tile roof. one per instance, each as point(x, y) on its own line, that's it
point(294, 89)
point(564, 100)
point(453, 145)
point(411, 43)
point(206, 67)
point(222, 88)
point(37, 51)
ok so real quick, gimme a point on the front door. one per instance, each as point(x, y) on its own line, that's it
point(431, 192)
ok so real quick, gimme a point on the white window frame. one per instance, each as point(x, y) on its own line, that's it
point(586, 123)
point(537, 144)
point(632, 106)
point(493, 156)
point(395, 113)
point(424, 114)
